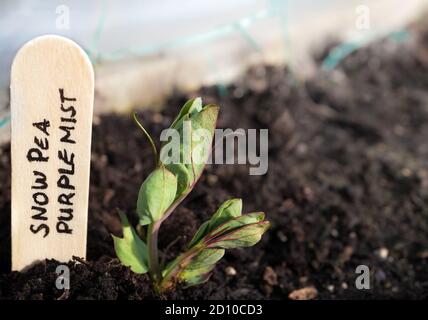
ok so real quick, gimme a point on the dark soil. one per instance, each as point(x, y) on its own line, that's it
point(347, 185)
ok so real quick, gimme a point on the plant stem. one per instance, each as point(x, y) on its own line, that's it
point(152, 243)
point(152, 246)
point(153, 229)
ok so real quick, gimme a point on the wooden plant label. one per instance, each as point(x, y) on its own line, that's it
point(52, 93)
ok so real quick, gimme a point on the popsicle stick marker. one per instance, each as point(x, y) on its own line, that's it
point(52, 94)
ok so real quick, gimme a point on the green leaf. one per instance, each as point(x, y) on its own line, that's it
point(193, 280)
point(202, 232)
point(231, 230)
point(245, 236)
point(199, 268)
point(242, 231)
point(227, 211)
point(156, 194)
point(191, 106)
point(195, 126)
point(202, 122)
point(183, 178)
point(238, 222)
point(131, 250)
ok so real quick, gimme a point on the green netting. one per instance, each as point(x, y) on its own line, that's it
point(275, 8)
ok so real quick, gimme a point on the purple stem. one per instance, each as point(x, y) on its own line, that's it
point(152, 241)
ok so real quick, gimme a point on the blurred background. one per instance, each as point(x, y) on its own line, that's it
point(144, 50)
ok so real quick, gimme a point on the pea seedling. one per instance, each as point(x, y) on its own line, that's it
point(165, 188)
